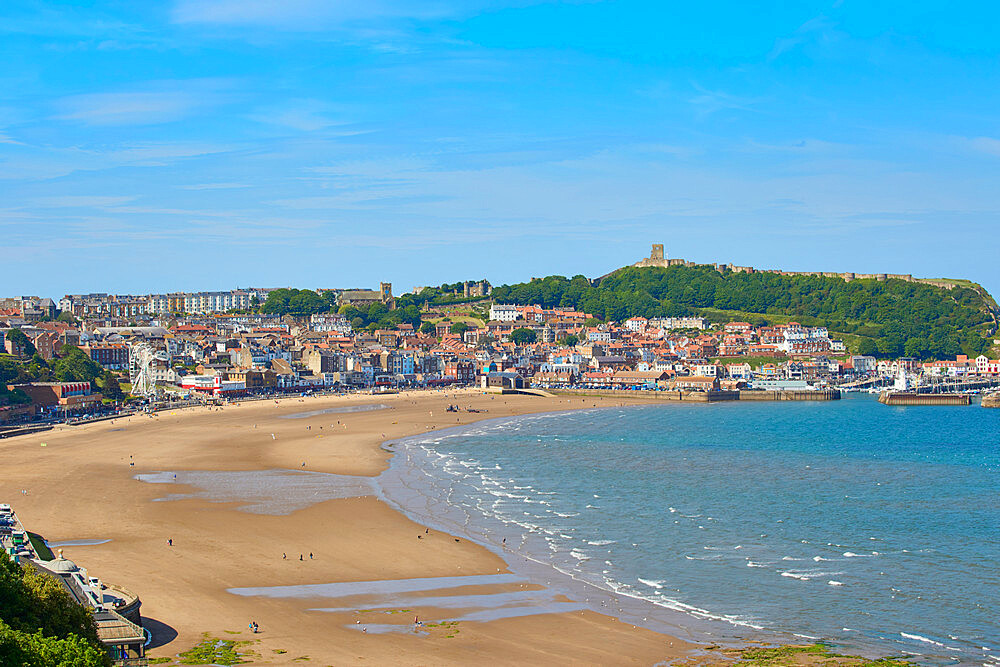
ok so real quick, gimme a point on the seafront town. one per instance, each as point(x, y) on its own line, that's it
point(195, 347)
point(194, 488)
point(111, 399)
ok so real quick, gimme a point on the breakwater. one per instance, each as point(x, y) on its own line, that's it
point(706, 396)
point(909, 398)
point(992, 400)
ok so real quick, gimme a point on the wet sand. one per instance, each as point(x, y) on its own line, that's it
point(81, 486)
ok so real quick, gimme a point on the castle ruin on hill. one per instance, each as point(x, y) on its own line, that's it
point(657, 258)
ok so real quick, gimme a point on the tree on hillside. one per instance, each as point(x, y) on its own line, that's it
point(867, 347)
point(22, 341)
point(378, 314)
point(523, 336)
point(11, 372)
point(38, 618)
point(298, 302)
point(569, 340)
point(36, 650)
point(459, 328)
point(73, 365)
point(111, 388)
point(428, 328)
point(38, 368)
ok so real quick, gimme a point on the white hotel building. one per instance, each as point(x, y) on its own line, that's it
point(502, 313)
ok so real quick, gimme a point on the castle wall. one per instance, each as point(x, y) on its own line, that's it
point(657, 259)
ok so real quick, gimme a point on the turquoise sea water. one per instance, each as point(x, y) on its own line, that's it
point(875, 528)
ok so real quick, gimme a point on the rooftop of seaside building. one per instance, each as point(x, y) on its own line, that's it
point(114, 629)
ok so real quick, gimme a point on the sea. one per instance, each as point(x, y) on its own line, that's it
point(875, 529)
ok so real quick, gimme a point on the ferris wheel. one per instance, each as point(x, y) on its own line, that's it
point(141, 357)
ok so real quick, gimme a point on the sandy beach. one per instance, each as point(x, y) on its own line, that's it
point(81, 485)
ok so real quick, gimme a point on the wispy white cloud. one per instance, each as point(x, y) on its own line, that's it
point(153, 154)
point(130, 108)
point(35, 162)
point(315, 15)
point(153, 210)
point(7, 139)
point(987, 145)
point(818, 27)
point(305, 115)
point(58, 20)
point(155, 103)
point(81, 201)
point(299, 14)
point(803, 146)
point(215, 186)
point(710, 101)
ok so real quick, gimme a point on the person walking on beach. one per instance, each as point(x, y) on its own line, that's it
point(310, 555)
point(284, 556)
point(170, 541)
point(300, 557)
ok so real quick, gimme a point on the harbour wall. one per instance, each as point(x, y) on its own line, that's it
point(706, 396)
point(905, 398)
point(991, 400)
point(789, 395)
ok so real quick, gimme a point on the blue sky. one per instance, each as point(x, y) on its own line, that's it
point(209, 144)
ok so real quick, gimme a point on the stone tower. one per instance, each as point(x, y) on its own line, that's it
point(385, 292)
point(657, 253)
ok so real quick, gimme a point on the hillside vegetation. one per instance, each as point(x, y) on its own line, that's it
point(890, 318)
point(41, 625)
point(71, 365)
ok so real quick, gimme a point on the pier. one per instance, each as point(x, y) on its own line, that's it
point(911, 398)
point(991, 400)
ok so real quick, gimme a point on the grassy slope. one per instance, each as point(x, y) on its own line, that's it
point(962, 283)
point(471, 321)
point(38, 544)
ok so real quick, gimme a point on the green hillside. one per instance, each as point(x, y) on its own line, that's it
point(890, 318)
